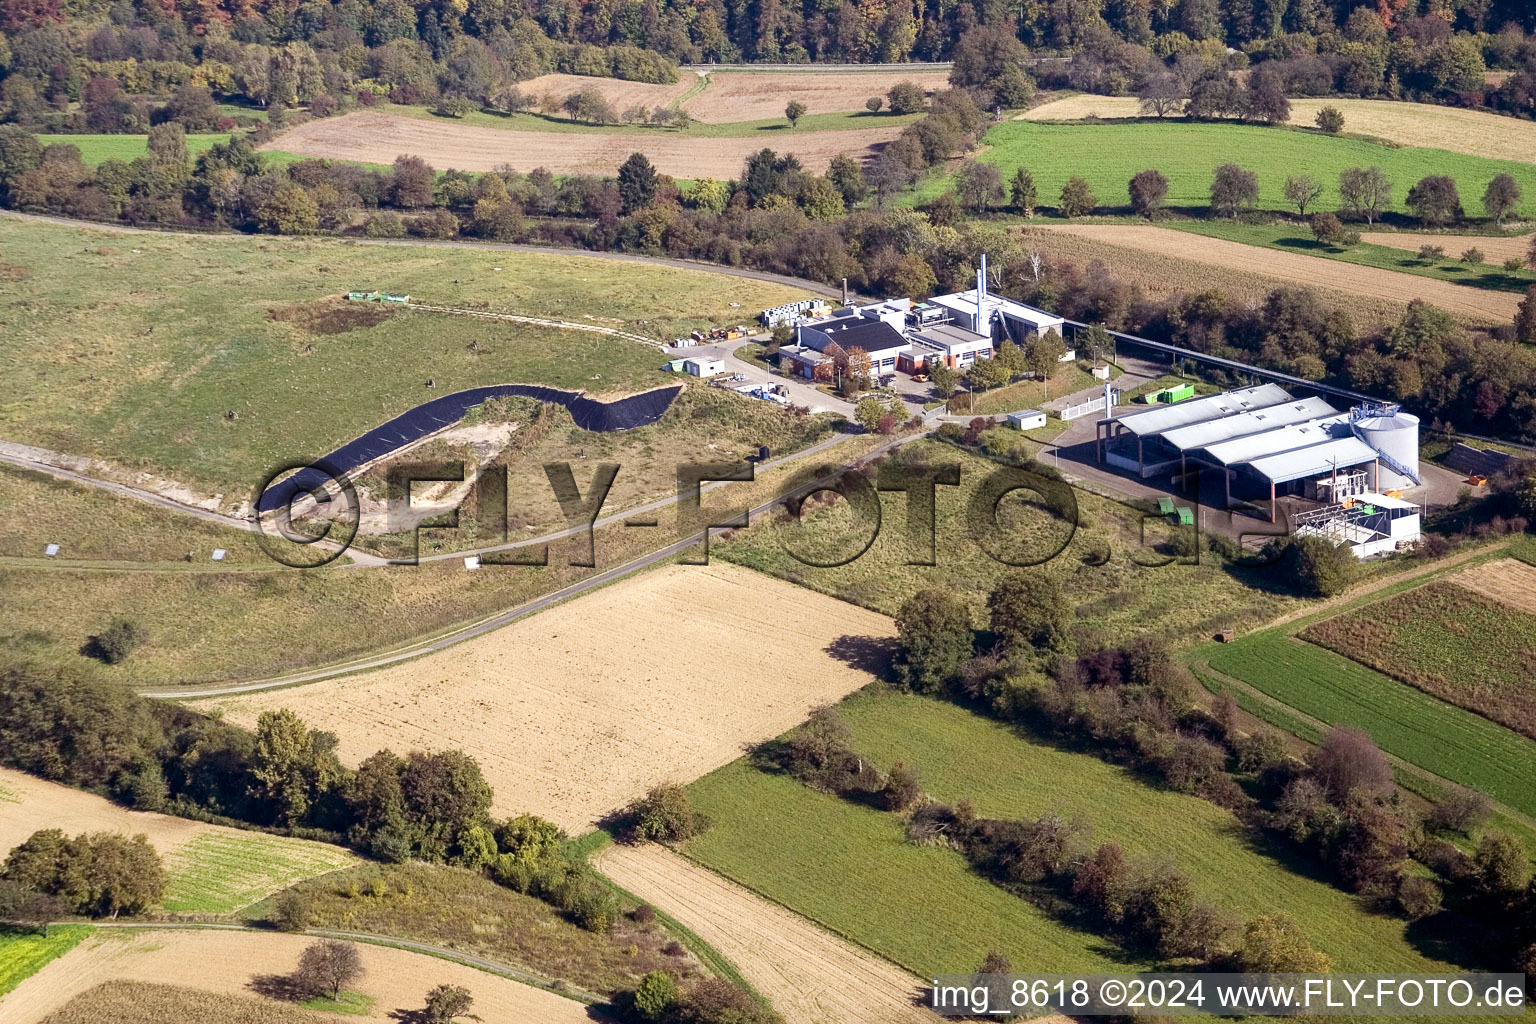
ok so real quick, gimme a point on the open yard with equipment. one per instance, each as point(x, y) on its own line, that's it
point(1474, 132)
point(851, 867)
point(1187, 153)
point(243, 964)
point(577, 710)
point(1475, 305)
point(172, 354)
point(211, 869)
point(378, 138)
point(1446, 640)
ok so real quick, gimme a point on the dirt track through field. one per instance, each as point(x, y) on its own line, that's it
point(227, 962)
point(758, 96)
point(1496, 249)
point(1476, 304)
point(378, 138)
point(1474, 132)
point(1508, 581)
point(575, 711)
point(810, 976)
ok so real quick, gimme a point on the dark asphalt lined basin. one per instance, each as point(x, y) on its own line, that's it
point(429, 417)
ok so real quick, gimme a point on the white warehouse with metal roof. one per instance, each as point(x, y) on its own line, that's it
point(1265, 444)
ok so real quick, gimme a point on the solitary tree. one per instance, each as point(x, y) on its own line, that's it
point(1027, 612)
point(1501, 197)
point(794, 112)
point(946, 379)
point(1077, 198)
point(1162, 94)
point(906, 98)
point(1148, 189)
point(637, 182)
point(873, 104)
point(1265, 99)
point(446, 1002)
point(1330, 119)
point(328, 965)
point(1233, 190)
point(1365, 192)
point(1302, 190)
point(1045, 352)
point(292, 914)
point(1435, 200)
point(978, 185)
point(1023, 197)
point(933, 628)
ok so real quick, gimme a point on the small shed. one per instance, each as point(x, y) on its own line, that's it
point(1027, 419)
point(674, 365)
point(704, 366)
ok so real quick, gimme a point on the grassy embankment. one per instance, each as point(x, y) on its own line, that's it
point(213, 361)
point(1113, 601)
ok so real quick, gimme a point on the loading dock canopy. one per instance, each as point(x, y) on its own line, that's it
point(1210, 432)
point(1277, 441)
point(1314, 461)
point(1164, 418)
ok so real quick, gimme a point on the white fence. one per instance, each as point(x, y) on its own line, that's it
point(1072, 412)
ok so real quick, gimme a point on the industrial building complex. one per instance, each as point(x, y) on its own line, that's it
point(1262, 444)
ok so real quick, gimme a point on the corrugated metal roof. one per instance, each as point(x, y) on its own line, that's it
point(1314, 460)
point(1273, 442)
point(1163, 418)
point(1198, 435)
point(965, 302)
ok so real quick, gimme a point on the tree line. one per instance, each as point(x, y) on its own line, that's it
point(72, 727)
point(1137, 705)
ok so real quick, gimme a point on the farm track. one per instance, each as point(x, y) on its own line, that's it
point(1475, 304)
point(537, 321)
point(810, 975)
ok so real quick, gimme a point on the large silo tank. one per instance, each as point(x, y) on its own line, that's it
point(1396, 436)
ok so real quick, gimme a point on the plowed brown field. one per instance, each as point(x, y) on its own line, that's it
point(573, 712)
point(621, 95)
point(1508, 581)
point(810, 976)
point(1410, 124)
point(227, 962)
point(756, 96)
point(1496, 249)
point(378, 138)
point(1473, 304)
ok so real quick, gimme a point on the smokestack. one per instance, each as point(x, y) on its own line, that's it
point(1109, 401)
point(845, 291)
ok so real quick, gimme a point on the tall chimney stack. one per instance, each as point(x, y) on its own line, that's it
point(845, 291)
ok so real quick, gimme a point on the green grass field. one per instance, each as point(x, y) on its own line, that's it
point(1440, 737)
point(138, 348)
point(850, 867)
point(95, 149)
point(348, 1002)
point(1297, 238)
point(23, 954)
point(1449, 642)
point(1113, 601)
point(1107, 155)
point(218, 873)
